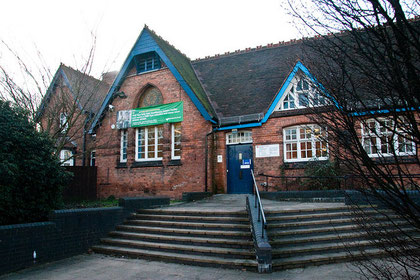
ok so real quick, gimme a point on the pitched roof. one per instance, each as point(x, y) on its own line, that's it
point(87, 90)
point(183, 64)
point(244, 83)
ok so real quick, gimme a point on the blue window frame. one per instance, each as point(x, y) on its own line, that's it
point(147, 62)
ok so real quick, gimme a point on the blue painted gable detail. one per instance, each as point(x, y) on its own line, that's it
point(279, 95)
point(145, 43)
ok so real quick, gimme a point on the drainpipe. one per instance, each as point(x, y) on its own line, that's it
point(206, 159)
point(88, 118)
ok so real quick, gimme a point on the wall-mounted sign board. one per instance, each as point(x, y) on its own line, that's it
point(153, 115)
point(272, 150)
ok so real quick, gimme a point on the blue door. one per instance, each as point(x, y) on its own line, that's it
point(239, 165)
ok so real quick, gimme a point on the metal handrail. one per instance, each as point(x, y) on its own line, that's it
point(258, 204)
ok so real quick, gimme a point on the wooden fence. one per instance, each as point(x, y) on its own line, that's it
point(83, 184)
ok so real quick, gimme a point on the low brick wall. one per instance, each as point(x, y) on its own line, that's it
point(67, 233)
point(285, 195)
point(359, 198)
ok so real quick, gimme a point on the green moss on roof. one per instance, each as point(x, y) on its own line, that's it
point(183, 65)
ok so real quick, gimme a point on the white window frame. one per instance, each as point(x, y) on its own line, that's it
point(65, 161)
point(146, 146)
point(298, 141)
point(242, 139)
point(64, 125)
point(293, 93)
point(173, 141)
point(123, 144)
point(92, 156)
point(377, 134)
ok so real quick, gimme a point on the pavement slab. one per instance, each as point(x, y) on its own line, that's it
point(96, 266)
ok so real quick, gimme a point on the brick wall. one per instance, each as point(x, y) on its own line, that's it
point(272, 133)
point(62, 101)
point(67, 233)
point(167, 177)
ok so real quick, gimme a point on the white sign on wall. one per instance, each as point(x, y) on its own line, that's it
point(267, 150)
point(219, 158)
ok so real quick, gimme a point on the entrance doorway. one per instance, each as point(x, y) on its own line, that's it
point(239, 165)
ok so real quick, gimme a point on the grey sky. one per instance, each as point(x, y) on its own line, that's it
point(61, 30)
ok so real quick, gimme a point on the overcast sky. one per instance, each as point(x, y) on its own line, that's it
point(61, 30)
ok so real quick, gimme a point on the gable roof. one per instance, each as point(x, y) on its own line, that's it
point(178, 64)
point(87, 91)
point(246, 83)
point(183, 64)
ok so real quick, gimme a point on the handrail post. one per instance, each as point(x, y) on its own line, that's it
point(257, 199)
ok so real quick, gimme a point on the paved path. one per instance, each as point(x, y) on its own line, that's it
point(236, 202)
point(103, 267)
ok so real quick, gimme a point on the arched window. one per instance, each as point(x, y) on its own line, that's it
point(150, 97)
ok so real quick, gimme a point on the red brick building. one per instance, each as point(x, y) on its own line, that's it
point(66, 111)
point(231, 113)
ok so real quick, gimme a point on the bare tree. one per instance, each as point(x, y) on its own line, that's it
point(63, 104)
point(365, 56)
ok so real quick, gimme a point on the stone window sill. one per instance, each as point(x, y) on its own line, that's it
point(121, 165)
point(174, 162)
point(138, 164)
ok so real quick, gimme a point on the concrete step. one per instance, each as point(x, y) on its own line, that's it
point(316, 249)
point(181, 248)
point(326, 238)
point(322, 216)
point(324, 258)
point(189, 225)
point(333, 247)
point(329, 222)
point(220, 242)
point(275, 234)
point(183, 212)
point(334, 209)
point(189, 232)
point(203, 219)
point(176, 257)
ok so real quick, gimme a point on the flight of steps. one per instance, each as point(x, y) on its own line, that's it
point(320, 236)
point(220, 239)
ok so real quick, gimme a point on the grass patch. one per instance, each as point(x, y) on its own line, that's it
point(76, 204)
point(175, 201)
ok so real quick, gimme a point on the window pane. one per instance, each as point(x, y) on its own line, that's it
point(386, 143)
point(177, 139)
point(303, 99)
point(306, 149)
point(160, 141)
point(291, 134)
point(404, 145)
point(123, 152)
point(141, 143)
point(151, 142)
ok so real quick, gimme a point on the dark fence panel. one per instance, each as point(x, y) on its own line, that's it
point(83, 184)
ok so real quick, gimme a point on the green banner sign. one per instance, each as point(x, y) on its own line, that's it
point(159, 114)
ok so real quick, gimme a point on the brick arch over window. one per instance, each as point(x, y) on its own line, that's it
point(149, 96)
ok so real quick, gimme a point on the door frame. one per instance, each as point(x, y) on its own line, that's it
point(228, 187)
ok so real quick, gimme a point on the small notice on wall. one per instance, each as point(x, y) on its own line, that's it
point(267, 150)
point(219, 158)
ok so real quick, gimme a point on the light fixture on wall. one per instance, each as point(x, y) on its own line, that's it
point(120, 94)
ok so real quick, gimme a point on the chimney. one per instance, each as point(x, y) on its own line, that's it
point(109, 77)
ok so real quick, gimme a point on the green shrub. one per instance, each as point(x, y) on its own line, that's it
point(324, 175)
point(31, 178)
